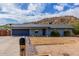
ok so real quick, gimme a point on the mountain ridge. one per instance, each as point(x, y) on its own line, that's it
point(57, 20)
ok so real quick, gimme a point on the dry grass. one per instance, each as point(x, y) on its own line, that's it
point(50, 41)
point(55, 46)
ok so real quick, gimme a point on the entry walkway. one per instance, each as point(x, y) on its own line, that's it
point(9, 46)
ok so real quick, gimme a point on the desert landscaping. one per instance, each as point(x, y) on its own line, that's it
point(43, 46)
point(39, 29)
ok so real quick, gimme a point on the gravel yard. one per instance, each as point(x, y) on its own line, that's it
point(55, 46)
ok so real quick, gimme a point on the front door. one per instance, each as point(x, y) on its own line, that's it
point(44, 32)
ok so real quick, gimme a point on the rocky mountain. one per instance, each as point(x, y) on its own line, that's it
point(58, 20)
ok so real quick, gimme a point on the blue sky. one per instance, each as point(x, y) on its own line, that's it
point(28, 12)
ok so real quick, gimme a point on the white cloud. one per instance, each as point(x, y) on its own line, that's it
point(70, 12)
point(76, 3)
point(63, 4)
point(20, 15)
point(59, 7)
point(35, 8)
point(12, 9)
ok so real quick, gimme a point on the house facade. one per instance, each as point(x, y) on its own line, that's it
point(40, 29)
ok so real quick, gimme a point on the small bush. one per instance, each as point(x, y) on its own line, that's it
point(76, 28)
point(67, 33)
point(55, 33)
point(66, 54)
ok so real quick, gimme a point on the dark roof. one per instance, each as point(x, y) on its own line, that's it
point(41, 25)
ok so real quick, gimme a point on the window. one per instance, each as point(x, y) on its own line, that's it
point(36, 31)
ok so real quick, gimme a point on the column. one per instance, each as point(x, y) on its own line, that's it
point(47, 32)
point(71, 33)
point(61, 32)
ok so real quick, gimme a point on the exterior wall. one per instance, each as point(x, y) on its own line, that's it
point(61, 31)
point(71, 32)
point(48, 31)
point(32, 32)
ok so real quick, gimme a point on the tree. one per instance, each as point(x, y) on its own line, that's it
point(76, 28)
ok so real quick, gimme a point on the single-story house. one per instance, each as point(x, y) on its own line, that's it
point(40, 29)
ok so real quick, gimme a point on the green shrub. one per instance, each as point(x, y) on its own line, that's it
point(55, 33)
point(67, 33)
point(76, 28)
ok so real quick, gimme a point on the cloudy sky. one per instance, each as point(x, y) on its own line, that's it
point(28, 12)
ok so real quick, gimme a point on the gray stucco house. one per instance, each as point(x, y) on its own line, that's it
point(40, 29)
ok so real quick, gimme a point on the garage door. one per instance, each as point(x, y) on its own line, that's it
point(20, 32)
